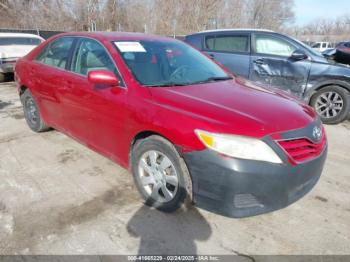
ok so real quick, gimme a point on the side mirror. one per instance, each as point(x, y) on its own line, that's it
point(298, 55)
point(103, 77)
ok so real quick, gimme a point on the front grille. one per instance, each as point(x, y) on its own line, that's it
point(303, 149)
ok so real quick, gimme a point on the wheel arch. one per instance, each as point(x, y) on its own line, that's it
point(147, 133)
point(319, 86)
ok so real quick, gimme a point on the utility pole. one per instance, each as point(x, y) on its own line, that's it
point(174, 27)
point(93, 8)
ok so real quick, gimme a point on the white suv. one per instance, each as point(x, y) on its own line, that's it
point(322, 46)
point(14, 46)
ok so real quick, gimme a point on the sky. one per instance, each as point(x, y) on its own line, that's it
point(308, 10)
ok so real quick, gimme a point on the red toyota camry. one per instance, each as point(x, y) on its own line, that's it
point(177, 120)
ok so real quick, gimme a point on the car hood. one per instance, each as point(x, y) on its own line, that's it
point(15, 51)
point(236, 106)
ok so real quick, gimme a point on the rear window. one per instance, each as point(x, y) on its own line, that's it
point(19, 41)
point(227, 43)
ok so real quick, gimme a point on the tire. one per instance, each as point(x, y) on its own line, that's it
point(32, 114)
point(157, 185)
point(332, 104)
point(2, 77)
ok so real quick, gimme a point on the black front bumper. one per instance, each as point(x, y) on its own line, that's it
point(240, 188)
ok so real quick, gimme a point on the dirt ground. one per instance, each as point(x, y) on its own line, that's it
point(58, 197)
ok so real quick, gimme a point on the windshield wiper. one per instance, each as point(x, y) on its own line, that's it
point(168, 84)
point(213, 79)
point(210, 79)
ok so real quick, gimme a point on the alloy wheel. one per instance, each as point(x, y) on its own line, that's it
point(158, 176)
point(329, 104)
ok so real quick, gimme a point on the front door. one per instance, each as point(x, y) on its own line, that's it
point(271, 64)
point(95, 112)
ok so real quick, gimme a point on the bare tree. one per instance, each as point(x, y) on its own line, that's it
point(154, 16)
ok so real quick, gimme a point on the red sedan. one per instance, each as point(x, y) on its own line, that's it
point(177, 120)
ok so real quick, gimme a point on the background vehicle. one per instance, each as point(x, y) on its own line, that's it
point(14, 46)
point(177, 120)
point(343, 52)
point(322, 46)
point(276, 60)
point(340, 54)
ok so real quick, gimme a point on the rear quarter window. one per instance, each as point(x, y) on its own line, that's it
point(56, 53)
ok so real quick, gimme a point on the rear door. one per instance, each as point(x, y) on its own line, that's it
point(272, 65)
point(231, 49)
point(48, 75)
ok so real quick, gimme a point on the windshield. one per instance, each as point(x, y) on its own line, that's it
point(168, 63)
point(19, 41)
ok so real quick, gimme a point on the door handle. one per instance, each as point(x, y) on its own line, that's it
point(212, 56)
point(259, 61)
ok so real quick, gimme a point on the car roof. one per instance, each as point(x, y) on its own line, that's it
point(19, 35)
point(235, 30)
point(117, 36)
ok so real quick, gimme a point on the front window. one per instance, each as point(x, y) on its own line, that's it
point(270, 45)
point(168, 63)
point(19, 41)
point(91, 56)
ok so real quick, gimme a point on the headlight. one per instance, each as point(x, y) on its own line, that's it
point(238, 146)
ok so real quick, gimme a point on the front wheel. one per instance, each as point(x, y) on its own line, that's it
point(160, 174)
point(2, 77)
point(332, 104)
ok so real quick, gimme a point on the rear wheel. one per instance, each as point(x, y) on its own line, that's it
point(2, 77)
point(31, 113)
point(160, 174)
point(332, 104)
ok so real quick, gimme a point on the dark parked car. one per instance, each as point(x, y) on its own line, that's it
point(280, 61)
point(343, 46)
point(176, 119)
point(340, 54)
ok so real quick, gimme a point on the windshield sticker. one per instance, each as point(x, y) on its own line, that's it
point(130, 47)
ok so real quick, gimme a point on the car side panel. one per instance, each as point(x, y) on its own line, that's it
point(279, 71)
point(236, 63)
point(43, 88)
point(323, 74)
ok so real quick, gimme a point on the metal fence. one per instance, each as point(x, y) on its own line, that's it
point(43, 33)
